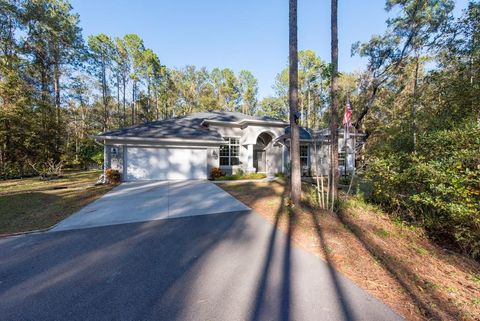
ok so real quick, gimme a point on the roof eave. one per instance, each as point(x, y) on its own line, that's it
point(244, 122)
point(160, 140)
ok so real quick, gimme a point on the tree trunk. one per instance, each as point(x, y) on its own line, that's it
point(118, 101)
point(133, 103)
point(156, 104)
point(309, 108)
point(124, 117)
point(56, 86)
point(334, 102)
point(358, 123)
point(295, 179)
point(46, 112)
point(414, 104)
point(104, 97)
point(149, 107)
point(302, 111)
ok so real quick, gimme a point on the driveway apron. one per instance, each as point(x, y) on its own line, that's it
point(153, 200)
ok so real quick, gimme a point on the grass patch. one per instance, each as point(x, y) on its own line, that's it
point(33, 203)
point(476, 277)
point(421, 250)
point(380, 232)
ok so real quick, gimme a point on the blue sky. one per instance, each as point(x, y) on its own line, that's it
point(238, 34)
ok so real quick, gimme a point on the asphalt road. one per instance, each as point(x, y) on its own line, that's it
point(212, 267)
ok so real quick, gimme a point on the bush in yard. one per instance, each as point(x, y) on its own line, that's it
point(113, 176)
point(235, 177)
point(215, 173)
point(49, 169)
point(90, 153)
point(438, 187)
point(280, 175)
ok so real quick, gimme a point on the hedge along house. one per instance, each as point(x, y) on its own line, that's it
point(188, 147)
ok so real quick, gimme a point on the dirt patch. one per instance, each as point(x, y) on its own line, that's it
point(444, 284)
point(380, 256)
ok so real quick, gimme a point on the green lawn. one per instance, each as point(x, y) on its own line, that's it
point(31, 203)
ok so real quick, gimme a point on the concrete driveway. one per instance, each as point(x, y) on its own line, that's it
point(209, 267)
point(152, 200)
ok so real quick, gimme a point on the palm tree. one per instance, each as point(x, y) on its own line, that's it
point(334, 102)
point(295, 179)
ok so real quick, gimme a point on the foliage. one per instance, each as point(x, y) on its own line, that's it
point(273, 107)
point(113, 176)
point(438, 187)
point(313, 82)
point(241, 176)
point(280, 175)
point(56, 90)
point(422, 124)
point(90, 153)
point(216, 172)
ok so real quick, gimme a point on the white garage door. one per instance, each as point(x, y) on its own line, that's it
point(165, 163)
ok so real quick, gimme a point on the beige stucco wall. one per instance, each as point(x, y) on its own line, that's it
point(213, 159)
point(277, 158)
point(112, 160)
point(248, 135)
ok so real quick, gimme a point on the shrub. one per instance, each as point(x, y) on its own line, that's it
point(437, 188)
point(90, 152)
point(238, 177)
point(49, 169)
point(113, 176)
point(216, 173)
point(280, 175)
point(97, 158)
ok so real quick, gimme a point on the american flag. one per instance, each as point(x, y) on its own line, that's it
point(347, 117)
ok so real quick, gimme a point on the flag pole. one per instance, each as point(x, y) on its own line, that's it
point(345, 138)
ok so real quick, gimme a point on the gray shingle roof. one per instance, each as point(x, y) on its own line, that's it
point(179, 127)
point(232, 116)
point(184, 127)
point(303, 133)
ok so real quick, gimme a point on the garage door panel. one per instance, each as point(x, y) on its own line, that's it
point(146, 163)
point(165, 163)
point(187, 163)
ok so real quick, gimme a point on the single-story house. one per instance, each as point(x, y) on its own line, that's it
point(188, 147)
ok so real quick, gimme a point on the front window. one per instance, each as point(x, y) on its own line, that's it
point(341, 158)
point(303, 155)
point(229, 153)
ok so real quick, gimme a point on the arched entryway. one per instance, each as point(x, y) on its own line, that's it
point(260, 151)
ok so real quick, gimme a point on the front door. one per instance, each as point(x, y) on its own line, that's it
point(259, 161)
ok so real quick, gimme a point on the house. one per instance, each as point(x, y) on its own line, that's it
point(188, 147)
